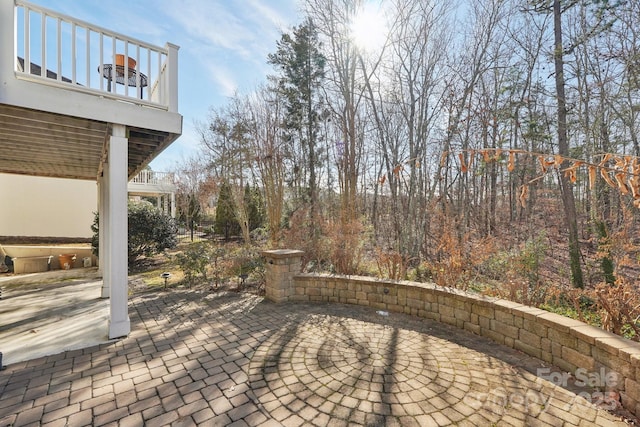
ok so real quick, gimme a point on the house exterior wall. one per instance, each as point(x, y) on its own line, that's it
point(46, 207)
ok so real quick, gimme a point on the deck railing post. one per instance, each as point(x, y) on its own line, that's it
point(172, 76)
point(8, 39)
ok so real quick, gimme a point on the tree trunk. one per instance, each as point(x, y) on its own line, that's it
point(568, 200)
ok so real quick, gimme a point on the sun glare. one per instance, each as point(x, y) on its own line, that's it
point(368, 29)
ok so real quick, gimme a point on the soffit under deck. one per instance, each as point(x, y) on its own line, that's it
point(46, 144)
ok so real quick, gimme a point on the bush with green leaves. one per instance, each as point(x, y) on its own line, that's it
point(226, 222)
point(255, 207)
point(247, 262)
point(150, 231)
point(194, 261)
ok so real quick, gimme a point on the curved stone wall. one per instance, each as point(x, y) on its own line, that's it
point(569, 344)
point(607, 362)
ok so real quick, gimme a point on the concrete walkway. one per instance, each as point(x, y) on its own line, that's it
point(228, 359)
point(46, 313)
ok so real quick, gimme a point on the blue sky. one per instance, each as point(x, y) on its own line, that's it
point(223, 47)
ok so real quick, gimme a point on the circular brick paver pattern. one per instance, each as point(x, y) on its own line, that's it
point(344, 364)
point(230, 359)
point(357, 371)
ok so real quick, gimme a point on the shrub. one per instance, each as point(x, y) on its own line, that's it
point(345, 244)
point(516, 274)
point(297, 234)
point(392, 264)
point(247, 263)
point(530, 258)
point(255, 207)
point(195, 260)
point(619, 306)
point(458, 257)
point(150, 231)
point(226, 221)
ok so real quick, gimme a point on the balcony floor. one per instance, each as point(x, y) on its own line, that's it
point(42, 143)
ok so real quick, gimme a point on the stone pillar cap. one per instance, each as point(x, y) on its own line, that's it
point(282, 253)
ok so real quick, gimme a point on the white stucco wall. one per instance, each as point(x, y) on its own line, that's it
point(46, 207)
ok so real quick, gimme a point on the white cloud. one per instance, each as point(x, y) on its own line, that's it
point(274, 19)
point(230, 39)
point(212, 23)
point(245, 29)
point(223, 79)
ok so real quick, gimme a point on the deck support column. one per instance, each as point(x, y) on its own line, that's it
point(103, 244)
point(115, 233)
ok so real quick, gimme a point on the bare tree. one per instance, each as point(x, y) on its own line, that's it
point(195, 187)
point(270, 160)
point(566, 187)
point(404, 94)
point(225, 143)
point(344, 93)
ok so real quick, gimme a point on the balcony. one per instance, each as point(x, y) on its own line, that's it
point(65, 82)
point(148, 183)
point(83, 102)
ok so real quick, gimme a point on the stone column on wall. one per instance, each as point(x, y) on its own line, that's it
point(281, 266)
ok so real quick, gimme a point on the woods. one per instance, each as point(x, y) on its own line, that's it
point(488, 145)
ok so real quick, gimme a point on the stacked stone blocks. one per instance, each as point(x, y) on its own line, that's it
point(281, 266)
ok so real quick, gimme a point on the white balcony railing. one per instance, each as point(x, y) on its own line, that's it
point(56, 49)
point(154, 178)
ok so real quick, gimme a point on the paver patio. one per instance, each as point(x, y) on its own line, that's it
point(233, 359)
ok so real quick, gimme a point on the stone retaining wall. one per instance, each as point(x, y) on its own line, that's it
point(566, 343)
